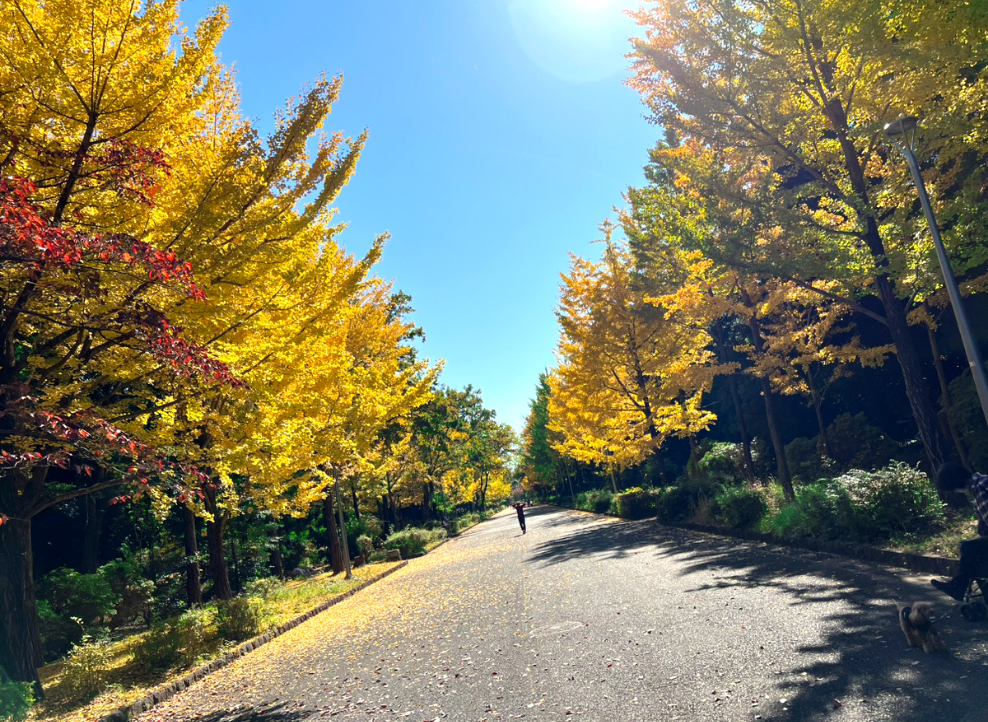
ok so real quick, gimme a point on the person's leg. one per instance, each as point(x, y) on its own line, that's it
point(974, 555)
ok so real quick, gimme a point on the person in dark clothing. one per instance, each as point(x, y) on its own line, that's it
point(974, 552)
point(520, 508)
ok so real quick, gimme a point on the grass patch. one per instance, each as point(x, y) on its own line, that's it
point(127, 681)
point(943, 544)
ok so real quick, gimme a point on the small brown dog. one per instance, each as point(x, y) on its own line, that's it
point(917, 624)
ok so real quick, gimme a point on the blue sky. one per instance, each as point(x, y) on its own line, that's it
point(500, 136)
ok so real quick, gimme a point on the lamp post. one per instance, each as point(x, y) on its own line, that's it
point(903, 134)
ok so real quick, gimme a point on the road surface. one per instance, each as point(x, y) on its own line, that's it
point(592, 618)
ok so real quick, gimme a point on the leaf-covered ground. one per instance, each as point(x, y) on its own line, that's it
point(128, 683)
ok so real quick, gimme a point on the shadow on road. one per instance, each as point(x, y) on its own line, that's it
point(863, 656)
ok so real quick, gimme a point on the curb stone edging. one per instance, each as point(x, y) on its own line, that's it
point(942, 566)
point(123, 714)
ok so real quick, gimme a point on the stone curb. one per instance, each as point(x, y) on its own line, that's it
point(942, 566)
point(169, 690)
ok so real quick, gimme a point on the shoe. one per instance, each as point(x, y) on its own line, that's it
point(954, 588)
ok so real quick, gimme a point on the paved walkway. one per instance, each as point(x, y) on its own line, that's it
point(591, 618)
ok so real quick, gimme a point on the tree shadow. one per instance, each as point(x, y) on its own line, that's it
point(862, 663)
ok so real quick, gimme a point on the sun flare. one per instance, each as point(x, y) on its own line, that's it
point(574, 40)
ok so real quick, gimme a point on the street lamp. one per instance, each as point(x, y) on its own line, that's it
point(903, 134)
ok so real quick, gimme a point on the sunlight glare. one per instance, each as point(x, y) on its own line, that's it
point(579, 41)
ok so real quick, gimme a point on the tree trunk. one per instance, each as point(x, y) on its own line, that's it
point(193, 583)
point(356, 505)
point(694, 457)
point(895, 313)
point(214, 540)
point(277, 562)
point(912, 373)
point(748, 461)
point(20, 638)
point(236, 583)
point(946, 421)
point(773, 425)
point(427, 492)
point(778, 447)
point(96, 508)
point(823, 448)
point(345, 545)
point(329, 519)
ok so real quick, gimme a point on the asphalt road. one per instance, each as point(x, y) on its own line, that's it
point(591, 618)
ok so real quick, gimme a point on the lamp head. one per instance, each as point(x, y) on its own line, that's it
point(903, 125)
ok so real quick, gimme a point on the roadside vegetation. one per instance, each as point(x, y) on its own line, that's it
point(109, 668)
point(894, 506)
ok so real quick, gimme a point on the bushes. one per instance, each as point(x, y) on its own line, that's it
point(15, 698)
point(636, 503)
point(58, 633)
point(86, 596)
point(466, 521)
point(857, 444)
point(894, 501)
point(134, 593)
point(159, 647)
point(739, 508)
point(723, 463)
point(238, 618)
point(195, 632)
point(597, 500)
point(411, 542)
point(865, 506)
point(805, 462)
point(87, 668)
point(68, 604)
point(366, 545)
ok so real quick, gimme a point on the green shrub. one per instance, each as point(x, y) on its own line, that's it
point(88, 597)
point(857, 444)
point(677, 503)
point(895, 501)
point(264, 587)
point(195, 631)
point(134, 593)
point(673, 504)
point(411, 542)
point(159, 648)
point(365, 544)
point(239, 618)
point(637, 503)
point(739, 508)
point(597, 500)
point(822, 510)
point(15, 698)
point(466, 521)
point(58, 633)
point(724, 463)
point(805, 462)
point(863, 506)
point(87, 668)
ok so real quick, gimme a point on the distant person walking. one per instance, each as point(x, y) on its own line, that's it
point(520, 508)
